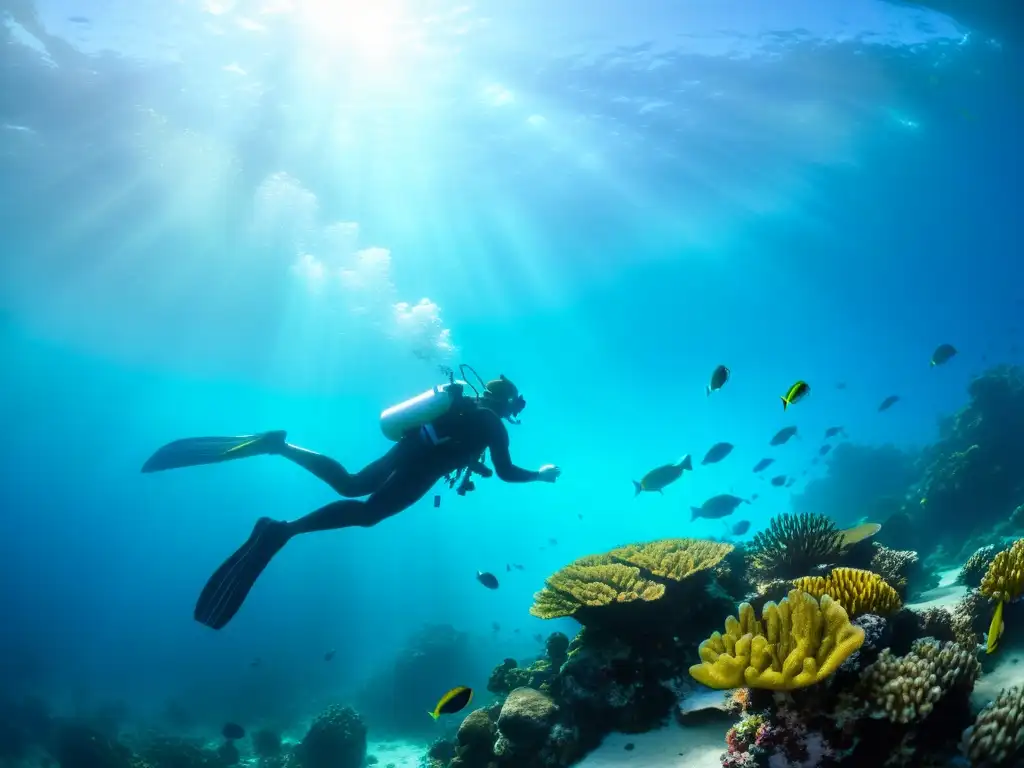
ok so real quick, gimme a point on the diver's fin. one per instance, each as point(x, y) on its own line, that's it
point(194, 451)
point(227, 589)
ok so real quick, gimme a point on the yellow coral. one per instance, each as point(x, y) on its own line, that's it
point(621, 576)
point(1005, 577)
point(591, 583)
point(797, 643)
point(674, 559)
point(858, 591)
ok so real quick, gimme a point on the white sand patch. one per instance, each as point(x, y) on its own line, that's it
point(1008, 670)
point(671, 747)
point(941, 597)
point(397, 753)
point(948, 578)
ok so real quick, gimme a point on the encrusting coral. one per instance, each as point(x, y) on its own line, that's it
point(622, 575)
point(792, 546)
point(798, 642)
point(905, 689)
point(997, 736)
point(1004, 580)
point(858, 591)
point(977, 565)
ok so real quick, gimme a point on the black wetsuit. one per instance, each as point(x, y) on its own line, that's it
point(394, 482)
point(405, 474)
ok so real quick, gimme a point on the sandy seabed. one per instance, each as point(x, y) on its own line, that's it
point(669, 747)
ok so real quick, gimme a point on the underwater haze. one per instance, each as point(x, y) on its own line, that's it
point(222, 217)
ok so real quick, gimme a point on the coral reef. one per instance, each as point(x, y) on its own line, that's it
point(937, 623)
point(970, 618)
point(793, 546)
point(974, 570)
point(640, 589)
point(858, 591)
point(861, 480)
point(902, 570)
point(972, 479)
point(474, 742)
point(997, 736)
point(625, 575)
point(508, 675)
point(906, 688)
point(1004, 579)
point(336, 739)
point(800, 642)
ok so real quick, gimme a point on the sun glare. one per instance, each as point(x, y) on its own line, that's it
point(374, 32)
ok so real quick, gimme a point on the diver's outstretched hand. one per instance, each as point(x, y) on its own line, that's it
point(549, 473)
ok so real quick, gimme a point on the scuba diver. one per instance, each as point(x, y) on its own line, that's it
point(441, 433)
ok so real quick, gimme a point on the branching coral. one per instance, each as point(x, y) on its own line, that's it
point(858, 591)
point(895, 566)
point(997, 736)
point(970, 618)
point(626, 574)
point(793, 546)
point(905, 689)
point(938, 623)
point(798, 642)
point(1004, 580)
point(974, 570)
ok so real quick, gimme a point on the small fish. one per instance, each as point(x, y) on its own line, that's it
point(518, 567)
point(840, 385)
point(740, 527)
point(539, 637)
point(579, 515)
point(495, 626)
point(516, 630)
point(942, 354)
point(824, 449)
point(833, 431)
point(255, 662)
point(790, 482)
point(658, 479)
point(795, 394)
point(754, 497)
point(858, 533)
point(489, 580)
point(79, 20)
point(507, 567)
point(995, 629)
point(456, 700)
point(888, 403)
point(329, 655)
point(763, 464)
point(232, 731)
point(779, 480)
point(718, 378)
point(722, 505)
point(782, 436)
point(553, 542)
point(717, 452)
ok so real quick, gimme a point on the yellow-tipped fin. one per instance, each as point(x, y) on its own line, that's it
point(434, 715)
point(785, 402)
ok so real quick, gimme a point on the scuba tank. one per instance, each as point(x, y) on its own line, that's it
point(421, 410)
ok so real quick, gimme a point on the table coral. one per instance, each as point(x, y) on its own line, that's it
point(637, 572)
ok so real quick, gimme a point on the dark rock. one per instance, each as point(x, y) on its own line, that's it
point(526, 717)
point(336, 739)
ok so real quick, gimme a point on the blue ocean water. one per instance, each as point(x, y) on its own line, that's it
point(225, 217)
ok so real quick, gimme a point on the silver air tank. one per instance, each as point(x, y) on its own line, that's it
point(417, 411)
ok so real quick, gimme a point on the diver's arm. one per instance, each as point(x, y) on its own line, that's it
point(502, 459)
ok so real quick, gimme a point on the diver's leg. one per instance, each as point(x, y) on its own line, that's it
point(402, 489)
point(345, 483)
